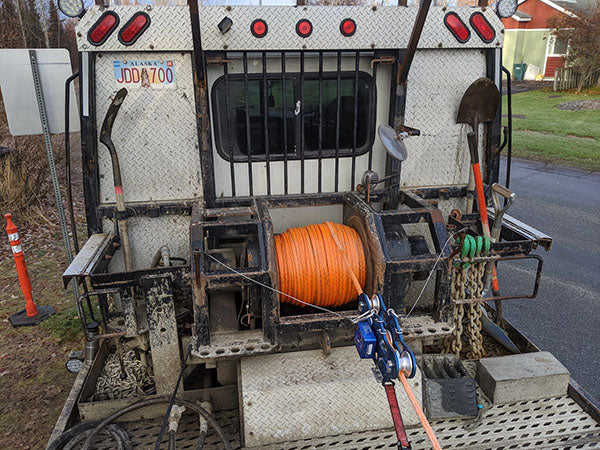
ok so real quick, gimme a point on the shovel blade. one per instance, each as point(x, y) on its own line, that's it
point(479, 103)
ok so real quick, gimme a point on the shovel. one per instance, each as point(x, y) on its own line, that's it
point(478, 105)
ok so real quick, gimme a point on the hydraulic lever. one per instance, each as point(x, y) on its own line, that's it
point(106, 139)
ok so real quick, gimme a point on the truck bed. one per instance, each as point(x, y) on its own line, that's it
point(551, 423)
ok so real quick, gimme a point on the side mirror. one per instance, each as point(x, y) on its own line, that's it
point(393, 143)
point(71, 8)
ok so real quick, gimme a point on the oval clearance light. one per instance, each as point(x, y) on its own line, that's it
point(348, 27)
point(134, 28)
point(457, 27)
point(304, 28)
point(482, 27)
point(259, 28)
point(103, 28)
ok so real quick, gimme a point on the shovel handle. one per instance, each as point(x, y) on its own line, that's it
point(497, 191)
point(503, 191)
point(491, 268)
point(472, 140)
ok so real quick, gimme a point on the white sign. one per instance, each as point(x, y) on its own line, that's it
point(18, 92)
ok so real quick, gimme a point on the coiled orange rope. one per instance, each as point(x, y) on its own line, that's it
point(314, 264)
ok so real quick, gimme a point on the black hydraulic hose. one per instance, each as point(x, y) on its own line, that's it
point(172, 400)
point(74, 435)
point(509, 114)
point(201, 440)
point(172, 436)
point(156, 401)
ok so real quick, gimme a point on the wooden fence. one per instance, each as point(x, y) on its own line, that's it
point(568, 78)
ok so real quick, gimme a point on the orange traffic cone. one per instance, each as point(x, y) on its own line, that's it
point(31, 315)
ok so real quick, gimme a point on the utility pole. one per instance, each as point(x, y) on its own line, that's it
point(21, 23)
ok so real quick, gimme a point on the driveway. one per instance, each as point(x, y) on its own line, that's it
point(565, 317)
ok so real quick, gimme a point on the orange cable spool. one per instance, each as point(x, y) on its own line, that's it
point(321, 264)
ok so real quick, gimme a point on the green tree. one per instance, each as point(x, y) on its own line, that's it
point(55, 29)
point(582, 32)
point(11, 33)
point(33, 26)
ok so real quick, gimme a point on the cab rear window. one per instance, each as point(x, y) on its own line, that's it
point(317, 118)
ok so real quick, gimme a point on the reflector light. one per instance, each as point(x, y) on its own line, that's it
point(71, 8)
point(348, 27)
point(457, 27)
point(482, 27)
point(134, 28)
point(103, 28)
point(259, 28)
point(304, 28)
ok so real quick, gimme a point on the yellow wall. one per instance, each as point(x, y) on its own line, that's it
point(523, 46)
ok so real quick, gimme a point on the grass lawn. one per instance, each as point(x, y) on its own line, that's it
point(545, 133)
point(34, 383)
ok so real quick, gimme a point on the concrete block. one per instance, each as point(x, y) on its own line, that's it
point(527, 376)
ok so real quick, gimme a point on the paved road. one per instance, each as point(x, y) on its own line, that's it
point(565, 317)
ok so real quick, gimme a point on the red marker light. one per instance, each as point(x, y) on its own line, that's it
point(103, 28)
point(348, 27)
point(304, 28)
point(259, 28)
point(457, 27)
point(134, 28)
point(482, 27)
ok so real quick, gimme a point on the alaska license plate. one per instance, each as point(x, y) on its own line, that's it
point(153, 74)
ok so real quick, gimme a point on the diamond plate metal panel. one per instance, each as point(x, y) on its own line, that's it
point(377, 27)
point(170, 29)
point(147, 235)
point(155, 134)
point(436, 83)
point(302, 395)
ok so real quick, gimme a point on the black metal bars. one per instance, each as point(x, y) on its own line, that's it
point(231, 166)
point(247, 116)
point(319, 110)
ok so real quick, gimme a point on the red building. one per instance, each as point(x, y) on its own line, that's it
point(529, 40)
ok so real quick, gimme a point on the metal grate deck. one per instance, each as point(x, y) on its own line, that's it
point(540, 424)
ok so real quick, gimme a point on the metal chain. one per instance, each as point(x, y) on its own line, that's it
point(467, 283)
point(474, 336)
point(453, 343)
point(109, 384)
